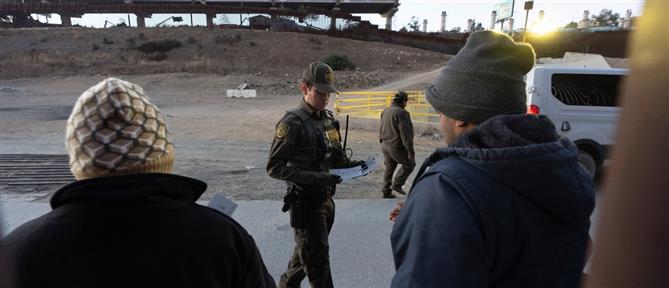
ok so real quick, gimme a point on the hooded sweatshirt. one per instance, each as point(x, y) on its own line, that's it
point(506, 206)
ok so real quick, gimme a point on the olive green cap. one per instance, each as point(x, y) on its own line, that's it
point(322, 76)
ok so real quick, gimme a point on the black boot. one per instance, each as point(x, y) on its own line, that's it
point(388, 194)
point(399, 189)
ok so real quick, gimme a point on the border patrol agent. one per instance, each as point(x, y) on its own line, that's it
point(396, 138)
point(307, 143)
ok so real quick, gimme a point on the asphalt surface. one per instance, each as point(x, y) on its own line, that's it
point(360, 252)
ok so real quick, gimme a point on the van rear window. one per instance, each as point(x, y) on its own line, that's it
point(586, 89)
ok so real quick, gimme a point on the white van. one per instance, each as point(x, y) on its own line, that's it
point(583, 105)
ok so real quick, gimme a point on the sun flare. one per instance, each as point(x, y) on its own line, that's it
point(544, 27)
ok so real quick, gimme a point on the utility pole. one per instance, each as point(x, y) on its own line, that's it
point(528, 6)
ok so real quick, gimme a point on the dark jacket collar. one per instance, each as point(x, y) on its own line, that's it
point(503, 137)
point(509, 131)
point(130, 189)
point(396, 105)
point(310, 110)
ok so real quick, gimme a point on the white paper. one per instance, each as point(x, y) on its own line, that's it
point(357, 171)
point(223, 204)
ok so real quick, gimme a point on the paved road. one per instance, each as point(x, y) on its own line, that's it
point(360, 241)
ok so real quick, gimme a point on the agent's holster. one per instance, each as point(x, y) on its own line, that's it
point(296, 204)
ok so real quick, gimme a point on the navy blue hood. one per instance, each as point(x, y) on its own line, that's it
point(525, 153)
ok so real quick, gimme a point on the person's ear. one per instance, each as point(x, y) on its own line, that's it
point(461, 124)
point(304, 88)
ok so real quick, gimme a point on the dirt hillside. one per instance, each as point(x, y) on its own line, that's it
point(268, 60)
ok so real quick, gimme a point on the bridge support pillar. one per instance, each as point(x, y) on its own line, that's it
point(66, 19)
point(389, 17)
point(140, 19)
point(333, 18)
point(210, 19)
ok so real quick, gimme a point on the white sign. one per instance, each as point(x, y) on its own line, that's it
point(504, 10)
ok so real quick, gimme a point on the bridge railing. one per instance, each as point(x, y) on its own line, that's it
point(369, 105)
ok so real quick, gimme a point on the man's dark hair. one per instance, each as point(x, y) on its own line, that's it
point(400, 97)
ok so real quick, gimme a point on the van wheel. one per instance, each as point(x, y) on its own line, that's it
point(588, 162)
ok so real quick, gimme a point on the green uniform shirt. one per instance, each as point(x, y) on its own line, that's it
point(306, 144)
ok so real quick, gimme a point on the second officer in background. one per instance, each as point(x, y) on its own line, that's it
point(396, 137)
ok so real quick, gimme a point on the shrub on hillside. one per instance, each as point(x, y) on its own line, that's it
point(159, 46)
point(158, 56)
point(339, 62)
point(314, 40)
point(228, 38)
point(131, 41)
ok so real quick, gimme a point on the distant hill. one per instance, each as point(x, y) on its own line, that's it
point(87, 51)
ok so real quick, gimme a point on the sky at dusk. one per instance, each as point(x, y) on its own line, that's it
point(560, 12)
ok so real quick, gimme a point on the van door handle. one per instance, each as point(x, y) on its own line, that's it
point(565, 126)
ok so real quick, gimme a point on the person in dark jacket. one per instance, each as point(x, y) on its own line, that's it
point(396, 137)
point(126, 221)
point(306, 144)
point(506, 203)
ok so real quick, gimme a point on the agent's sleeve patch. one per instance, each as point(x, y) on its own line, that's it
point(281, 130)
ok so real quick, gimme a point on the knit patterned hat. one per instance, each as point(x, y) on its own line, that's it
point(114, 129)
point(484, 79)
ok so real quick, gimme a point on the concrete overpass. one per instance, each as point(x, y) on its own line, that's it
point(341, 9)
point(347, 6)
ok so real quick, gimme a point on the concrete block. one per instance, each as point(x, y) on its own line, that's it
point(236, 93)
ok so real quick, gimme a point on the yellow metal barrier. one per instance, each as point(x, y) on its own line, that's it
point(370, 104)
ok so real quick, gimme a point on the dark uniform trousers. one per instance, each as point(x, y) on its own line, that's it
point(392, 156)
point(311, 257)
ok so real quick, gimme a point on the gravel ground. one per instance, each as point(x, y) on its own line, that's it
point(222, 141)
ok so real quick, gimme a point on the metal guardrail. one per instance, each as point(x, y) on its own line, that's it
point(369, 105)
